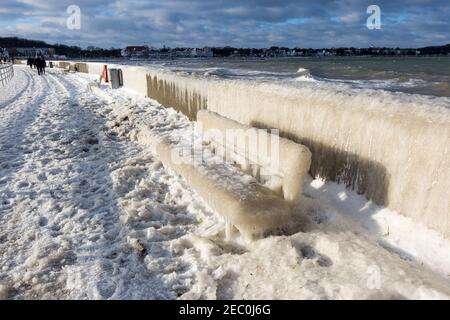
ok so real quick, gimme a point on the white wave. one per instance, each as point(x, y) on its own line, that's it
point(383, 84)
point(413, 82)
point(305, 75)
point(302, 70)
point(306, 78)
point(236, 72)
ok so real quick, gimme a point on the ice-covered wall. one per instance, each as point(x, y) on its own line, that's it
point(95, 68)
point(393, 148)
point(135, 78)
point(168, 93)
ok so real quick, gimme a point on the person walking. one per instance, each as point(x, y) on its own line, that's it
point(39, 65)
point(30, 62)
point(43, 65)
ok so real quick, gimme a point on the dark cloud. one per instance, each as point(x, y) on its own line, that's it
point(240, 23)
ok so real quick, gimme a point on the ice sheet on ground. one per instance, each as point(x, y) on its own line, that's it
point(87, 211)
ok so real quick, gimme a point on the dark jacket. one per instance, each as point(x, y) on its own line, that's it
point(40, 63)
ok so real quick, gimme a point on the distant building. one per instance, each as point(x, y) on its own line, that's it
point(4, 54)
point(205, 52)
point(32, 52)
point(135, 51)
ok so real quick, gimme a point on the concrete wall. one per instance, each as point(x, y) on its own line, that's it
point(135, 78)
point(81, 67)
point(95, 68)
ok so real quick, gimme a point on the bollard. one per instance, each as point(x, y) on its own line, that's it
point(116, 78)
point(105, 73)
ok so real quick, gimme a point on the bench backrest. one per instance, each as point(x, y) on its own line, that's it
point(278, 163)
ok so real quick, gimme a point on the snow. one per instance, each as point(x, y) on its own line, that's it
point(87, 211)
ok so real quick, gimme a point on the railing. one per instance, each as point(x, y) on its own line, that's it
point(6, 73)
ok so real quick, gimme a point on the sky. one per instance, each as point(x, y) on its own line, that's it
point(237, 23)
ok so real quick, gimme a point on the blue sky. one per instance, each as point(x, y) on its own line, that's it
point(240, 23)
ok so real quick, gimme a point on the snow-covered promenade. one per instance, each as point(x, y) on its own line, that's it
point(87, 211)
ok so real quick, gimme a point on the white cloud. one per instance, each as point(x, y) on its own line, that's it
point(351, 17)
point(248, 23)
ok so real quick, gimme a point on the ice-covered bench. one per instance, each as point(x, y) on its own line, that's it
point(251, 205)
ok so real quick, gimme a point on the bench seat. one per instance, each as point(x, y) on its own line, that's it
point(244, 203)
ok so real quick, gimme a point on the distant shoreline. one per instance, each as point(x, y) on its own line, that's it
point(109, 59)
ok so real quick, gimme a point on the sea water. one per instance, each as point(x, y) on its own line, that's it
point(416, 75)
